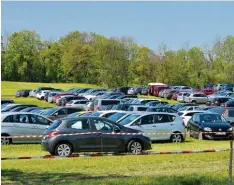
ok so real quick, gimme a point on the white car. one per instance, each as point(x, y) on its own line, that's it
point(91, 96)
point(77, 103)
point(106, 113)
point(158, 126)
point(195, 98)
point(41, 94)
point(23, 123)
point(188, 108)
point(143, 101)
point(181, 96)
point(32, 93)
point(186, 115)
point(57, 100)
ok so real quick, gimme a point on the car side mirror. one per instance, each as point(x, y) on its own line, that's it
point(138, 123)
point(55, 114)
point(47, 127)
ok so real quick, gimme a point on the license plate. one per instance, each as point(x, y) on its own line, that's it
point(221, 133)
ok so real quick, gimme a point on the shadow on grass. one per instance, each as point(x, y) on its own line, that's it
point(13, 176)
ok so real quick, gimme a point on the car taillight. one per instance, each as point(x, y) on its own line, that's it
point(52, 134)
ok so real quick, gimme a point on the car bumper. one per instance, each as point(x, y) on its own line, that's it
point(45, 146)
point(217, 136)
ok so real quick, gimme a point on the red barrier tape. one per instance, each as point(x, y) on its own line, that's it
point(112, 154)
point(111, 133)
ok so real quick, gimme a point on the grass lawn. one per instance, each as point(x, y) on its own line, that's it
point(177, 169)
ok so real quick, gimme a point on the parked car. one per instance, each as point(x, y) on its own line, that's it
point(51, 96)
point(79, 114)
point(155, 109)
point(144, 101)
point(28, 109)
point(186, 115)
point(188, 108)
point(41, 94)
point(156, 125)
point(21, 107)
point(102, 104)
point(122, 106)
point(135, 90)
point(104, 142)
point(137, 108)
point(4, 101)
point(177, 106)
point(22, 93)
point(218, 101)
point(118, 116)
point(77, 103)
point(229, 103)
point(152, 103)
point(207, 91)
point(19, 123)
point(59, 112)
point(196, 98)
point(65, 100)
point(145, 90)
point(209, 126)
point(89, 106)
point(123, 90)
point(9, 107)
point(168, 95)
point(95, 94)
point(60, 95)
point(181, 97)
point(228, 114)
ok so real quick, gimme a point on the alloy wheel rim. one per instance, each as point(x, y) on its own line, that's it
point(136, 147)
point(5, 141)
point(176, 138)
point(64, 150)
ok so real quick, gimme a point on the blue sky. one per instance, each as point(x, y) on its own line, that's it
point(149, 23)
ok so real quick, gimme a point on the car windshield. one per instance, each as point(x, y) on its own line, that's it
point(212, 118)
point(129, 119)
point(117, 116)
point(49, 111)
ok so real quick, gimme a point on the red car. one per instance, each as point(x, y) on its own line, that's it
point(207, 91)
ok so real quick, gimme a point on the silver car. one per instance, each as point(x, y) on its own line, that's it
point(22, 124)
point(196, 98)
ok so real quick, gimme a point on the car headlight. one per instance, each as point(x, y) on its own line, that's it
point(230, 129)
point(208, 129)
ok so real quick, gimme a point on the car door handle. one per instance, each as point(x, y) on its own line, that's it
point(154, 126)
point(15, 125)
point(34, 126)
point(171, 124)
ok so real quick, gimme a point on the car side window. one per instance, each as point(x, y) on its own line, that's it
point(146, 120)
point(8, 119)
point(163, 118)
point(103, 125)
point(70, 111)
point(23, 118)
point(82, 124)
point(62, 111)
point(39, 120)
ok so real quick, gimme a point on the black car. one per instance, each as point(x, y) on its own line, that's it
point(6, 101)
point(162, 109)
point(218, 101)
point(22, 93)
point(123, 90)
point(209, 126)
point(100, 137)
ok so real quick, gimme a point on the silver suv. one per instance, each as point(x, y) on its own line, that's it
point(196, 98)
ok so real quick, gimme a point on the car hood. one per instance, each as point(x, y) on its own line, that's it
point(224, 125)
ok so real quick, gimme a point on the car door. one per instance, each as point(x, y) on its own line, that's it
point(164, 126)
point(109, 141)
point(90, 141)
point(203, 98)
point(145, 124)
point(22, 127)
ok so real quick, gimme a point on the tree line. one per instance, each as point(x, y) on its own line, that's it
point(112, 62)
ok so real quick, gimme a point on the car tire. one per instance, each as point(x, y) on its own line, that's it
point(63, 149)
point(194, 101)
point(5, 141)
point(134, 147)
point(200, 136)
point(176, 138)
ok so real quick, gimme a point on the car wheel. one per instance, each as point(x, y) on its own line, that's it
point(63, 149)
point(134, 147)
point(194, 102)
point(5, 141)
point(176, 138)
point(200, 136)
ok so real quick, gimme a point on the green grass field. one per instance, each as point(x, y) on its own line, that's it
point(177, 169)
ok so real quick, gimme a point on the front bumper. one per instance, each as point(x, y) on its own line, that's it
point(218, 135)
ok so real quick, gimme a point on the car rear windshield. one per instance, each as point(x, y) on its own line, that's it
point(55, 124)
point(231, 113)
point(129, 119)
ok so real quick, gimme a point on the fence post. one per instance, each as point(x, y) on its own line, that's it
point(230, 162)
